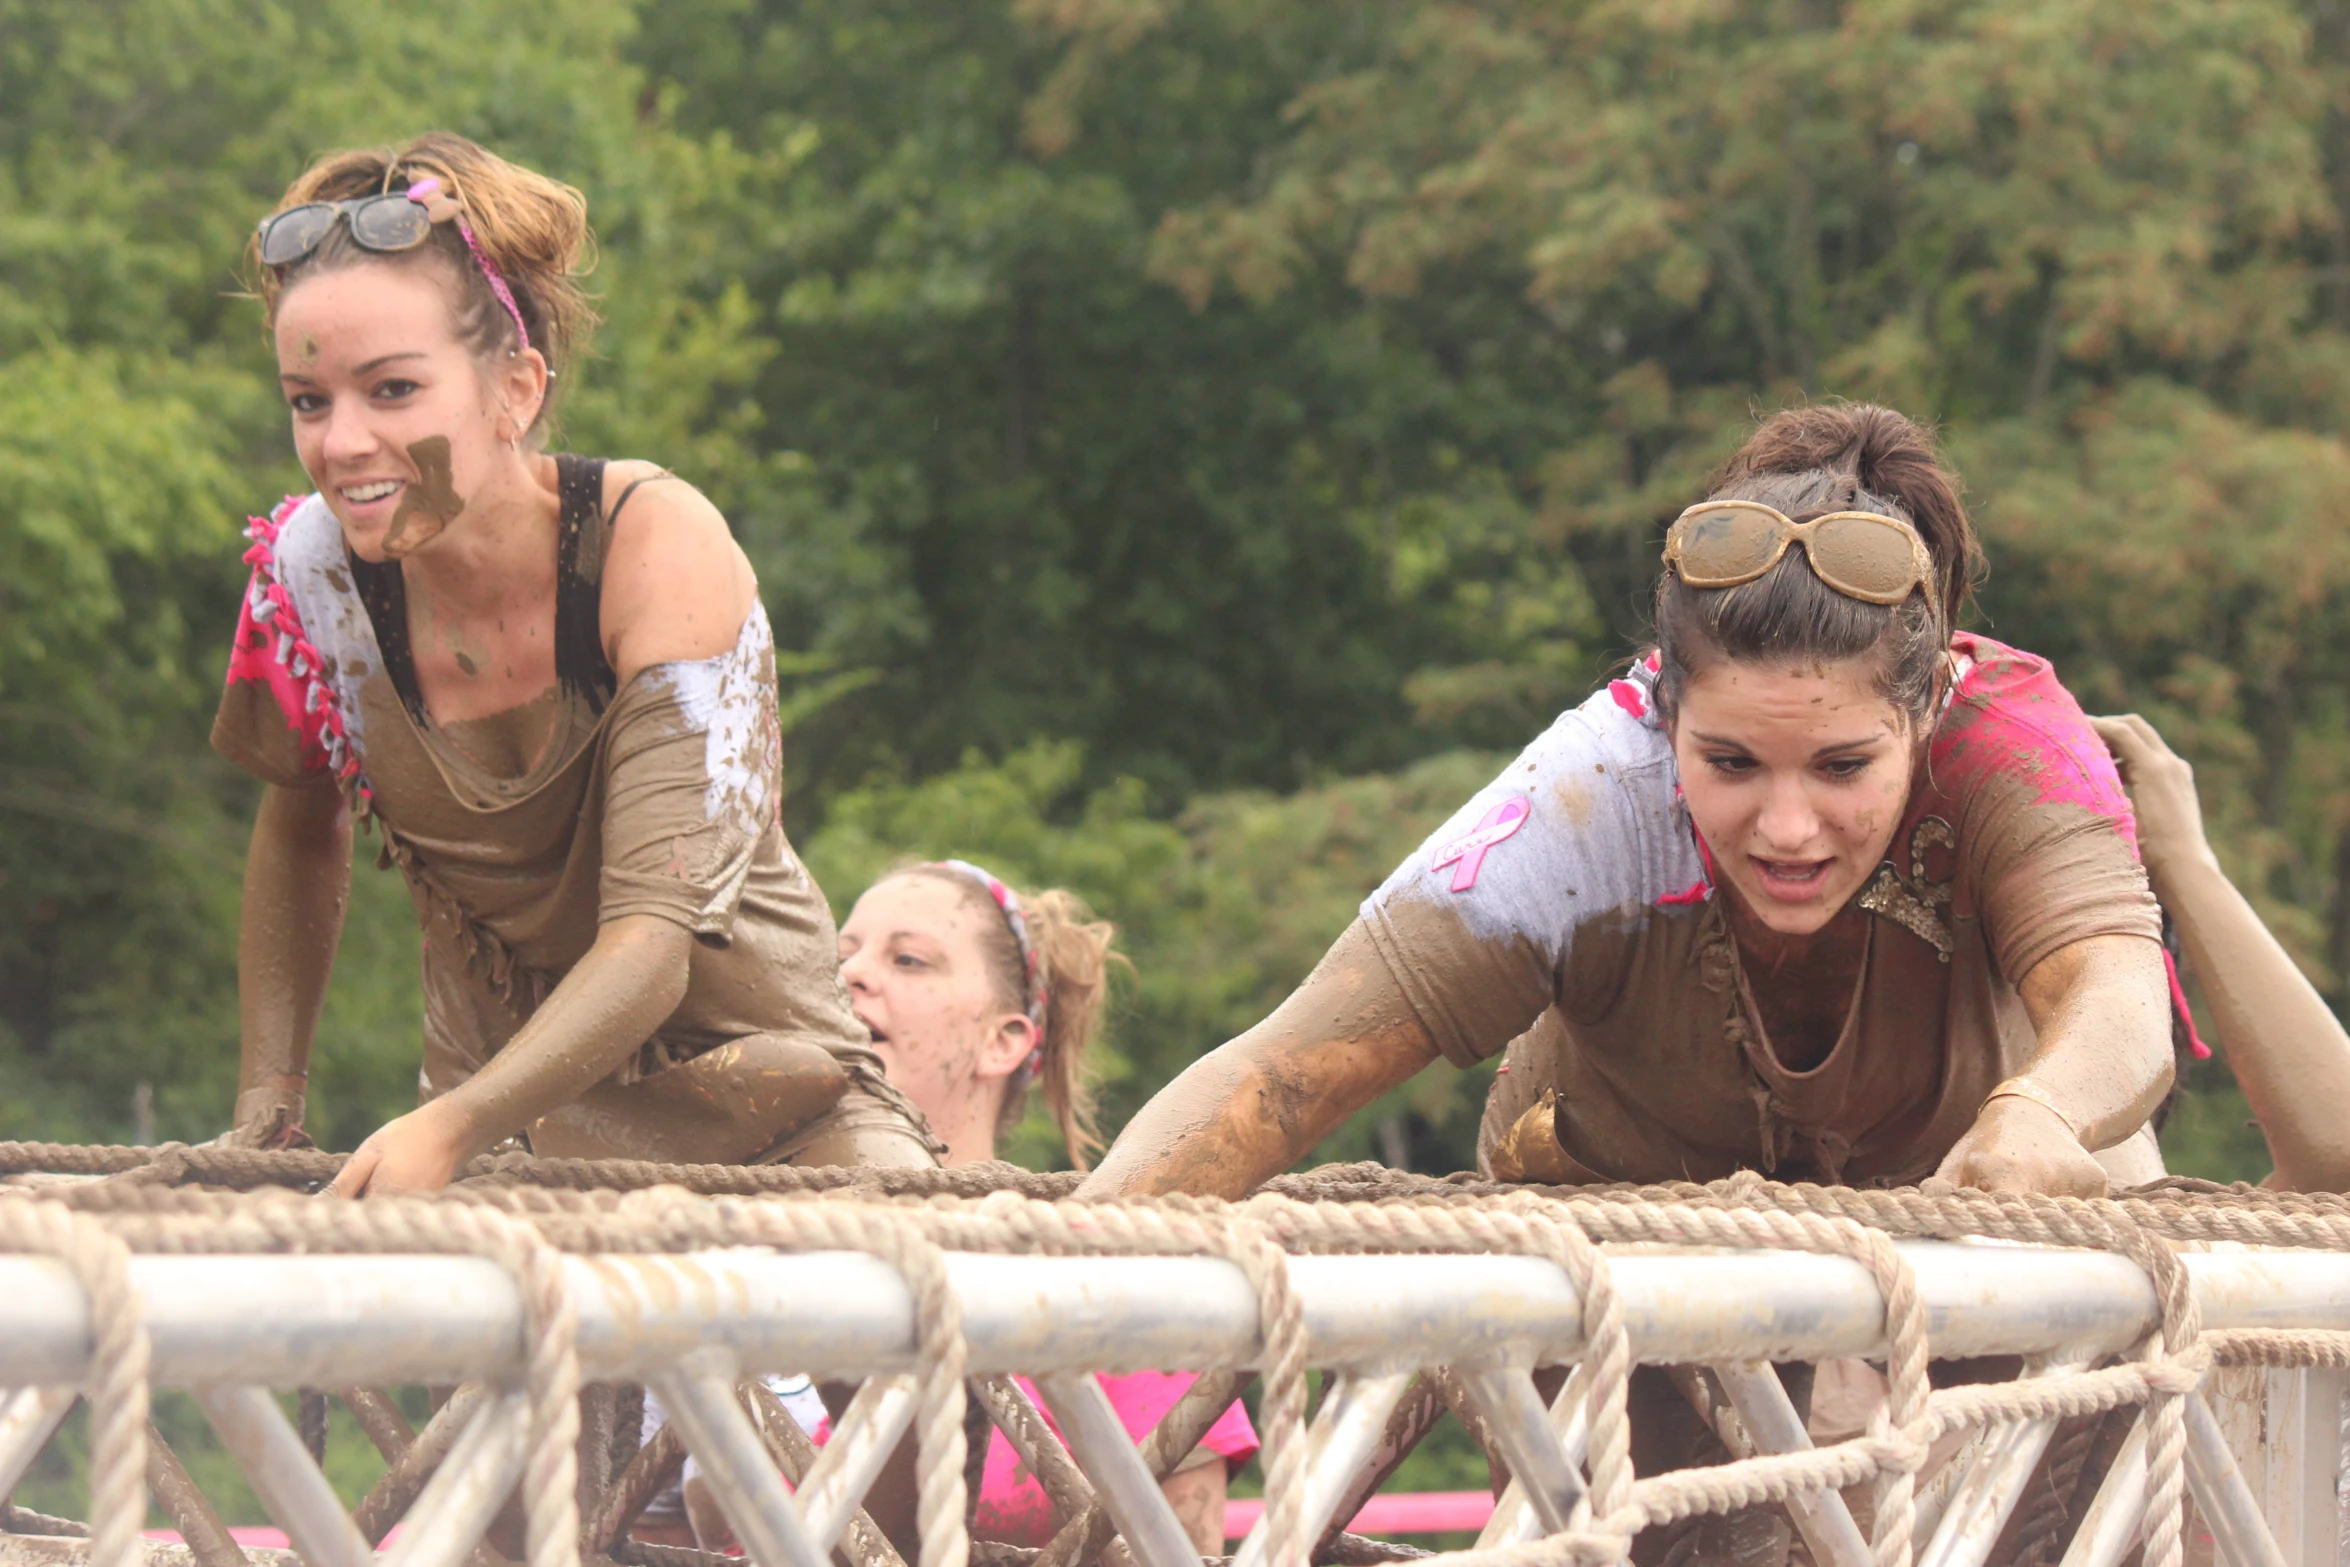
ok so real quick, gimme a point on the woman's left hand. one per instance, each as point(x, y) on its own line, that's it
point(419, 1152)
point(2016, 1145)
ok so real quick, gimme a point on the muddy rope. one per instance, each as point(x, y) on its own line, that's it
point(93, 1207)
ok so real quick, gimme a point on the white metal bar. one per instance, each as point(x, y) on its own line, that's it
point(2300, 1468)
point(449, 1517)
point(1934, 1491)
point(2117, 1514)
point(334, 1320)
point(1346, 1428)
point(1128, 1491)
point(847, 1465)
point(1513, 1517)
point(1981, 1500)
point(699, 1396)
point(2225, 1501)
point(27, 1420)
point(1760, 1401)
point(1521, 1426)
point(270, 1452)
point(1981, 1503)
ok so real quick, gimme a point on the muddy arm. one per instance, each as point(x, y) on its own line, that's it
point(1253, 1107)
point(297, 886)
point(2284, 1043)
point(2101, 1009)
point(608, 1005)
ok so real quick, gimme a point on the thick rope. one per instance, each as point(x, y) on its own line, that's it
point(119, 1352)
point(525, 1213)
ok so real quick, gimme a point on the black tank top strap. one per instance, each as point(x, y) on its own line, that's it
point(580, 664)
point(384, 595)
point(582, 532)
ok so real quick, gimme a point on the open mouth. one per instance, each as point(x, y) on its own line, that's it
point(372, 491)
point(1791, 881)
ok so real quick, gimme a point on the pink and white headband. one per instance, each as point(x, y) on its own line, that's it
point(1009, 901)
point(422, 193)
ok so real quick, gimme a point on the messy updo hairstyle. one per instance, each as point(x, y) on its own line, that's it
point(534, 228)
point(1074, 953)
point(1805, 461)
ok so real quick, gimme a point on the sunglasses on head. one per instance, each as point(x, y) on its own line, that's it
point(1861, 554)
point(387, 224)
point(395, 221)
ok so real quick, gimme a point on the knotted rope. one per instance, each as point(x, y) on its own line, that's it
point(102, 1204)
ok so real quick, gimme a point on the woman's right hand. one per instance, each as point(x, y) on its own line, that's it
point(270, 1117)
point(2162, 792)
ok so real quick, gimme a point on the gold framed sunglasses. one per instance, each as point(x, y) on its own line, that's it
point(1863, 555)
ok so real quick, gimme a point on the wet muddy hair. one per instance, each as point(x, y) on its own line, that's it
point(534, 228)
point(1828, 457)
point(1074, 954)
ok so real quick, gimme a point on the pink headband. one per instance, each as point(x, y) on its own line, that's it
point(1009, 901)
point(421, 193)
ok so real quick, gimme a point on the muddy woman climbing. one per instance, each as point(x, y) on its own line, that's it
point(1822, 887)
point(547, 682)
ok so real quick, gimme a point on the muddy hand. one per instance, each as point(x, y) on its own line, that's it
point(2016, 1145)
point(2162, 792)
point(420, 1152)
point(268, 1117)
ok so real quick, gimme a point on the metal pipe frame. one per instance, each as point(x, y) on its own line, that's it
point(1769, 1424)
point(2116, 1518)
point(293, 1321)
point(2226, 1502)
point(692, 1325)
point(1514, 1520)
point(1986, 1496)
point(271, 1453)
point(1128, 1490)
point(699, 1395)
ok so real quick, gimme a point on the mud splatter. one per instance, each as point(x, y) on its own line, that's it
point(433, 498)
point(467, 664)
point(309, 349)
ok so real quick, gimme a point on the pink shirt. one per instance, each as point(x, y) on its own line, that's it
point(1012, 1505)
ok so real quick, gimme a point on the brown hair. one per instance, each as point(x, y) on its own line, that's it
point(1829, 456)
point(1074, 952)
point(534, 228)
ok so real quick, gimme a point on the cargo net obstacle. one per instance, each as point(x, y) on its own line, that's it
point(2143, 1332)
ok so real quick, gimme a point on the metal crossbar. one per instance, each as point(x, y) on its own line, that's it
point(698, 1326)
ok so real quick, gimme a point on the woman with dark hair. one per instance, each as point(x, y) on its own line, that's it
point(1823, 888)
point(548, 682)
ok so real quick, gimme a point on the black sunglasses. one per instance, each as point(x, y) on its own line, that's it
point(384, 223)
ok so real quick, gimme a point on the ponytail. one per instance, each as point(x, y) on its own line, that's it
point(1074, 952)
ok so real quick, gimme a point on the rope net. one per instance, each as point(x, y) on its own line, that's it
point(93, 1208)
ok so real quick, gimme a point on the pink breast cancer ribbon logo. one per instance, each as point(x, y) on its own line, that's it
point(1466, 854)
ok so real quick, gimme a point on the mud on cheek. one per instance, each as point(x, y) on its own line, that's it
point(430, 504)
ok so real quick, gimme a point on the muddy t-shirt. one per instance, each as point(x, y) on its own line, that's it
point(1567, 914)
point(659, 797)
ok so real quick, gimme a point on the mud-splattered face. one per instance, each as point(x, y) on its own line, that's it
point(393, 417)
point(917, 974)
point(1796, 777)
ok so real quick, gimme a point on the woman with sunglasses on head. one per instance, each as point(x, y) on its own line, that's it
point(548, 682)
point(1823, 888)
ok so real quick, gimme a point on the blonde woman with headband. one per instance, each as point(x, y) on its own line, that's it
point(976, 995)
point(547, 682)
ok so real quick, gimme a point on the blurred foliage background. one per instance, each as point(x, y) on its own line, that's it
point(1184, 442)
